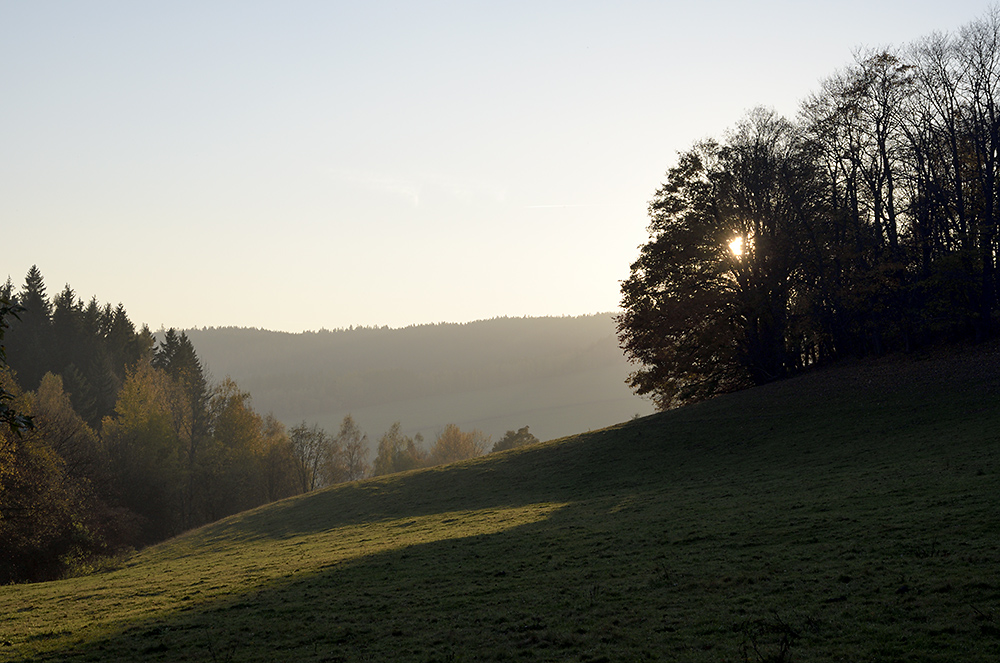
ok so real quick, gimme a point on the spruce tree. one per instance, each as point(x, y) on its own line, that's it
point(29, 341)
point(67, 330)
point(9, 416)
point(125, 346)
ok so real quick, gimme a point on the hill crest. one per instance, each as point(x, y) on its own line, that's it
point(553, 374)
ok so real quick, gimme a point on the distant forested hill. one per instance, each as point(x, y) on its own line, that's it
point(557, 375)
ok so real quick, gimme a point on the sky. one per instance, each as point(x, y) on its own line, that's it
point(301, 165)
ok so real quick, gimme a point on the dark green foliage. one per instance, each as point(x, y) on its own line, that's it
point(9, 416)
point(176, 355)
point(678, 310)
point(30, 339)
point(91, 346)
point(125, 345)
point(870, 225)
point(130, 445)
point(700, 318)
point(514, 439)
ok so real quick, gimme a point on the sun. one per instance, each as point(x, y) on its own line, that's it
point(736, 246)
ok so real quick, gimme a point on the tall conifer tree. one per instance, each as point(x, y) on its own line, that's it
point(30, 339)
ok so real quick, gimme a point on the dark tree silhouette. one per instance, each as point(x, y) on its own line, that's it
point(15, 421)
point(514, 439)
point(869, 225)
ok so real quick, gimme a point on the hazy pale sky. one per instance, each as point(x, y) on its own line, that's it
point(298, 165)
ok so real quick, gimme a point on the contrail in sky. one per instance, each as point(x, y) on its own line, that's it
point(550, 206)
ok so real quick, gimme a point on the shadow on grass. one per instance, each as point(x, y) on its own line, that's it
point(857, 518)
point(474, 598)
point(627, 577)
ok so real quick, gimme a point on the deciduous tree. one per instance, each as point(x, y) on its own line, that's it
point(454, 444)
point(145, 452)
point(353, 444)
point(708, 304)
point(398, 452)
point(313, 451)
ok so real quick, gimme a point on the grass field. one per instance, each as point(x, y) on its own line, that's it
point(852, 514)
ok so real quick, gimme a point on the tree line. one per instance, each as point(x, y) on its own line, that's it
point(868, 224)
point(113, 440)
point(398, 453)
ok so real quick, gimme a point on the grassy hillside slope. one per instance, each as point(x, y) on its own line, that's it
point(848, 515)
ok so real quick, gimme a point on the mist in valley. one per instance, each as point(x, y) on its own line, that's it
point(557, 375)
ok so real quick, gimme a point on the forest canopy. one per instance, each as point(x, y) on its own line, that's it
point(114, 438)
point(867, 224)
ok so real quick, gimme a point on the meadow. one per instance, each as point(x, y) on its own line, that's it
point(850, 514)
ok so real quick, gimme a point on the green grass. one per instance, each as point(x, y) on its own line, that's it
point(848, 515)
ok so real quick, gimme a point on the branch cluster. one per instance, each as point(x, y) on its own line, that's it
point(868, 224)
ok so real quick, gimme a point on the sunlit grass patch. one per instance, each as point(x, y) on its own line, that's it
point(201, 568)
